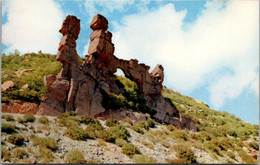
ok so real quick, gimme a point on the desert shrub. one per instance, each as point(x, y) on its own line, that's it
point(75, 157)
point(26, 118)
point(76, 133)
point(130, 149)
point(184, 152)
point(143, 159)
point(92, 132)
point(5, 155)
point(113, 133)
point(177, 161)
point(8, 128)
point(19, 153)
point(91, 122)
point(171, 127)
point(120, 142)
point(66, 114)
point(231, 154)
point(211, 147)
point(149, 123)
point(111, 122)
point(46, 154)
point(245, 157)
point(45, 142)
point(44, 120)
point(66, 122)
point(137, 128)
point(180, 135)
point(16, 139)
point(254, 145)
point(8, 117)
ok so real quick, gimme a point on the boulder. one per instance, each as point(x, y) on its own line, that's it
point(7, 85)
point(99, 22)
point(21, 107)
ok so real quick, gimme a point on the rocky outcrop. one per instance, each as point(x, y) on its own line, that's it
point(7, 85)
point(83, 88)
point(16, 106)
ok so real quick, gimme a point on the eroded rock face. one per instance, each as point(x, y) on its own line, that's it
point(82, 88)
point(16, 106)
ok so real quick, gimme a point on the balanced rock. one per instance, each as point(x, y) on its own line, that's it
point(85, 88)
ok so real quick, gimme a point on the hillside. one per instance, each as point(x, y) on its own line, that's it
point(221, 137)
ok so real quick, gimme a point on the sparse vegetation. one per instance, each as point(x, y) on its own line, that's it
point(19, 153)
point(75, 157)
point(184, 154)
point(26, 118)
point(8, 117)
point(44, 120)
point(130, 149)
point(16, 139)
point(142, 159)
point(76, 133)
point(117, 132)
point(47, 142)
point(111, 122)
point(8, 128)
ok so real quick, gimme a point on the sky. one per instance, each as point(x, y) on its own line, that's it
point(209, 49)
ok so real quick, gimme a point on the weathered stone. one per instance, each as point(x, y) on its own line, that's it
point(49, 80)
point(25, 86)
point(84, 88)
point(16, 106)
point(99, 22)
point(7, 85)
point(23, 72)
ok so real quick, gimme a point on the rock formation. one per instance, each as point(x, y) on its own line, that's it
point(82, 88)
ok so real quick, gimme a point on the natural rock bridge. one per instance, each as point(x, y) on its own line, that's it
point(81, 88)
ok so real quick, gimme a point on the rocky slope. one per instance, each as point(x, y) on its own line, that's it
point(156, 145)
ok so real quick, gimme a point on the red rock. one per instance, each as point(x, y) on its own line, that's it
point(21, 107)
point(99, 22)
point(84, 88)
point(7, 85)
point(49, 80)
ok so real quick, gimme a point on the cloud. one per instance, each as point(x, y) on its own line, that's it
point(105, 7)
point(32, 25)
point(218, 51)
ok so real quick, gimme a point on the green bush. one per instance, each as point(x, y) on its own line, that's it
point(44, 120)
point(92, 132)
point(8, 117)
point(120, 142)
point(66, 114)
point(137, 128)
point(16, 139)
point(231, 155)
point(45, 154)
point(48, 142)
point(185, 153)
point(130, 149)
point(91, 122)
point(143, 159)
point(211, 147)
point(26, 118)
point(113, 133)
point(8, 128)
point(76, 133)
point(111, 122)
point(75, 157)
point(19, 153)
point(254, 145)
point(149, 123)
